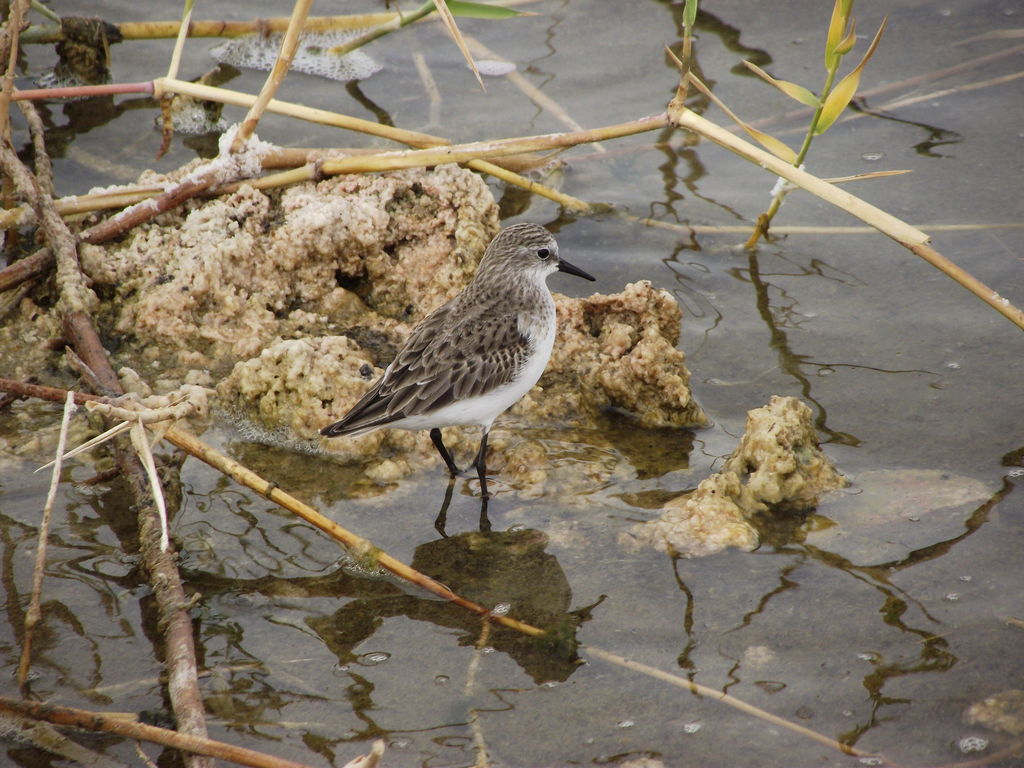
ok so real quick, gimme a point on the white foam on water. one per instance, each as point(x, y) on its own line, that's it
point(312, 57)
point(494, 67)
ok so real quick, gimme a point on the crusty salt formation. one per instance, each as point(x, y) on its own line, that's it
point(617, 350)
point(219, 280)
point(778, 467)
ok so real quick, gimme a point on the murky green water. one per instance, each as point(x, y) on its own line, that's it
point(877, 623)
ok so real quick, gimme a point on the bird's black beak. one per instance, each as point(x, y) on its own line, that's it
point(565, 266)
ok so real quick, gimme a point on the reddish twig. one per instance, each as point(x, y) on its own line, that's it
point(95, 721)
point(33, 614)
point(39, 263)
point(84, 91)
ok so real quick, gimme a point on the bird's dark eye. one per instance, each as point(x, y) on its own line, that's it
point(543, 253)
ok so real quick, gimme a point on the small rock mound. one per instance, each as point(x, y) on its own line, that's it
point(778, 467)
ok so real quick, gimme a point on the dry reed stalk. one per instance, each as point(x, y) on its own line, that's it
point(724, 698)
point(149, 30)
point(798, 229)
point(511, 177)
point(462, 153)
point(283, 62)
point(472, 154)
point(909, 237)
point(360, 547)
point(155, 30)
point(179, 42)
point(509, 167)
point(310, 114)
point(441, 6)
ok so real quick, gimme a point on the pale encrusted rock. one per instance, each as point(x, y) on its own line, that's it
point(780, 461)
point(216, 282)
point(778, 467)
point(617, 350)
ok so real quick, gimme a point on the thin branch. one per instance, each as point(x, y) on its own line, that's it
point(130, 729)
point(724, 698)
point(33, 614)
point(39, 263)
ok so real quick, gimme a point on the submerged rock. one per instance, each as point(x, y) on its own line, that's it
point(896, 511)
point(1003, 711)
point(778, 467)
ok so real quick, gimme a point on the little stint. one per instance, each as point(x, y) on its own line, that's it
point(475, 356)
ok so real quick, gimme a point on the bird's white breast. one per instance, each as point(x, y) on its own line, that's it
point(484, 409)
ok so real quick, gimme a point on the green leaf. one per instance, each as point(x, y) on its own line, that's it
point(837, 101)
point(843, 93)
point(792, 90)
point(482, 10)
point(690, 13)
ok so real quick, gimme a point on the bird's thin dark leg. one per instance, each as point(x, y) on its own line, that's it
point(442, 517)
point(480, 462)
point(435, 436)
point(485, 521)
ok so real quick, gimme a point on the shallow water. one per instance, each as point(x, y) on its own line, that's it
point(877, 622)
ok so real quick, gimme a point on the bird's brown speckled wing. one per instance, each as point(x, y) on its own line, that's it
point(452, 355)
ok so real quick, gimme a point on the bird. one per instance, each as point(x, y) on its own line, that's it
point(475, 356)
